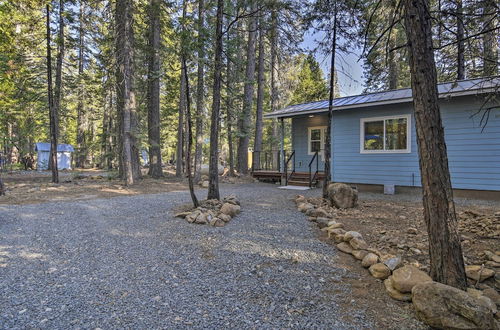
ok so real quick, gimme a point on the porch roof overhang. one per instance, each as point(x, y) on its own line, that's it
point(445, 90)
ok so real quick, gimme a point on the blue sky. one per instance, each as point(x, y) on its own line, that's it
point(349, 67)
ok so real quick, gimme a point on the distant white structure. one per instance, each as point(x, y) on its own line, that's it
point(64, 154)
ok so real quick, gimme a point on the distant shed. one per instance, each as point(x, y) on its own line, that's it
point(64, 154)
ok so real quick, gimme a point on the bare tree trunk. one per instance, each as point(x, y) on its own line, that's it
point(393, 73)
point(274, 88)
point(80, 120)
point(2, 186)
point(155, 169)
point(182, 105)
point(52, 110)
point(328, 144)
point(126, 95)
point(200, 92)
point(460, 41)
point(229, 109)
point(260, 97)
point(490, 39)
point(447, 264)
point(59, 64)
point(213, 170)
point(189, 141)
point(245, 119)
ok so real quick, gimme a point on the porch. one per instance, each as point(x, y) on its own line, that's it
point(281, 166)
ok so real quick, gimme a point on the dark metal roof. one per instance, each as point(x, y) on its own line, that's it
point(457, 88)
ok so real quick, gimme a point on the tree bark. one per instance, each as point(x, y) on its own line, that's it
point(490, 40)
point(80, 119)
point(52, 110)
point(200, 92)
point(245, 119)
point(274, 88)
point(189, 142)
point(393, 73)
point(126, 96)
point(155, 162)
point(460, 41)
point(179, 169)
point(213, 168)
point(260, 97)
point(229, 108)
point(328, 144)
point(59, 66)
point(447, 264)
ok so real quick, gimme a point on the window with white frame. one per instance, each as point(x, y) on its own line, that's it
point(316, 140)
point(385, 134)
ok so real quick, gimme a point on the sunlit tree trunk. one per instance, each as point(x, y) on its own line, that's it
point(155, 168)
point(460, 41)
point(245, 119)
point(179, 169)
point(260, 96)
point(213, 186)
point(447, 264)
point(81, 142)
point(200, 92)
point(52, 111)
point(126, 96)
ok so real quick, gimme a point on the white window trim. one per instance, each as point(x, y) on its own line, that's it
point(370, 119)
point(322, 141)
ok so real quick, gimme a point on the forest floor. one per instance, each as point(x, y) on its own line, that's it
point(31, 187)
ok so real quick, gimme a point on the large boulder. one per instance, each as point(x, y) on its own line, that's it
point(342, 196)
point(358, 244)
point(380, 271)
point(344, 247)
point(317, 212)
point(369, 260)
point(204, 169)
point(359, 254)
point(445, 307)
point(395, 294)
point(352, 234)
point(476, 272)
point(230, 209)
point(303, 207)
point(405, 278)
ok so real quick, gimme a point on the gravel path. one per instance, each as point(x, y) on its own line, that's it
point(126, 262)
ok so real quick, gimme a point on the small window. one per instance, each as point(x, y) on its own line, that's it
point(385, 135)
point(316, 139)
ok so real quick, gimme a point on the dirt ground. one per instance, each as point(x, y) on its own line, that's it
point(397, 228)
point(31, 187)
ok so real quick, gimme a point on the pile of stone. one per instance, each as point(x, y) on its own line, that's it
point(213, 212)
point(483, 225)
point(404, 281)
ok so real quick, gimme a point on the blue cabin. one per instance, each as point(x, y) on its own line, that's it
point(373, 139)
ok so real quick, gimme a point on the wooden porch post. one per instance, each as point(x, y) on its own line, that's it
point(282, 150)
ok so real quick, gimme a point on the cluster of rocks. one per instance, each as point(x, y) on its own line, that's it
point(213, 212)
point(436, 304)
point(484, 225)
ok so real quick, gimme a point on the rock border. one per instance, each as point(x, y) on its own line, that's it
point(399, 276)
point(213, 212)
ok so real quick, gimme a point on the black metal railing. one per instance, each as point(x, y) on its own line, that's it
point(312, 178)
point(290, 158)
point(266, 160)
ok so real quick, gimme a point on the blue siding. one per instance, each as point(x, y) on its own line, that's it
point(300, 139)
point(474, 155)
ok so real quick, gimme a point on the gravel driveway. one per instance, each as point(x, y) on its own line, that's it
point(126, 262)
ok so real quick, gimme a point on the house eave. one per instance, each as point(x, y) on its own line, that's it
point(444, 95)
